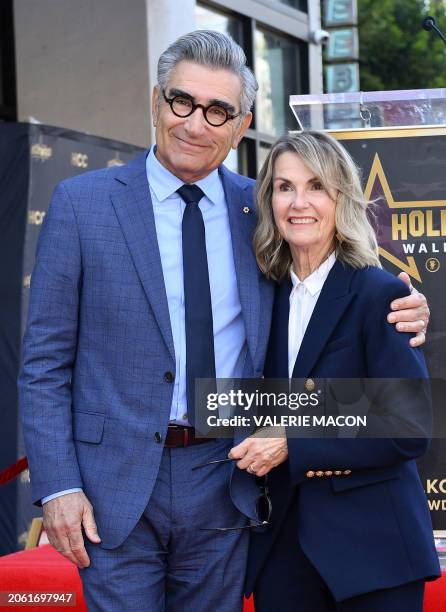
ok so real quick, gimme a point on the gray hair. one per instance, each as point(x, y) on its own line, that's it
point(355, 238)
point(215, 50)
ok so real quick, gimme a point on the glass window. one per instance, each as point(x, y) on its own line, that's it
point(301, 5)
point(280, 63)
point(279, 67)
point(208, 19)
point(232, 160)
point(242, 160)
point(264, 148)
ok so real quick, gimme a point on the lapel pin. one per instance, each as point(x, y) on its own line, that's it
point(246, 210)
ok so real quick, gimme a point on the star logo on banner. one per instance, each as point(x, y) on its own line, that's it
point(377, 187)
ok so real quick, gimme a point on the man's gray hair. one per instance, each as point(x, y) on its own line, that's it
point(215, 50)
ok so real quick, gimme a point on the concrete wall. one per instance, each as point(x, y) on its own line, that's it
point(90, 65)
point(83, 65)
point(166, 21)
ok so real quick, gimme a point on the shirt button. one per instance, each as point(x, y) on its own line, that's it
point(184, 417)
point(168, 377)
point(158, 437)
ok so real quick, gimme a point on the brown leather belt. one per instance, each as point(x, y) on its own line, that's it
point(179, 435)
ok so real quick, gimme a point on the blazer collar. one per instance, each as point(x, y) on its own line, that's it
point(133, 206)
point(333, 300)
point(242, 221)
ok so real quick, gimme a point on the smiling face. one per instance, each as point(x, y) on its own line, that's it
point(188, 146)
point(304, 212)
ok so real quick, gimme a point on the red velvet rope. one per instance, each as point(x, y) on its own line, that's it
point(13, 470)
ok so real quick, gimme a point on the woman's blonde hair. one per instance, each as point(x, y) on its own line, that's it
point(356, 242)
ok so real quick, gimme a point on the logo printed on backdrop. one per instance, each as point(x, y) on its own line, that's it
point(27, 281)
point(419, 229)
point(432, 264)
point(115, 161)
point(41, 151)
point(79, 160)
point(436, 486)
point(36, 217)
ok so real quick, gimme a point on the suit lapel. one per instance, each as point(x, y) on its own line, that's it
point(133, 206)
point(333, 300)
point(242, 227)
point(276, 363)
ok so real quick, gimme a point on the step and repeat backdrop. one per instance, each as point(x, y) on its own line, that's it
point(33, 159)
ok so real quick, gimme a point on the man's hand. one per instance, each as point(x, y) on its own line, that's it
point(259, 455)
point(62, 520)
point(411, 313)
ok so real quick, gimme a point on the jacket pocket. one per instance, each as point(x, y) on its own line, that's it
point(363, 478)
point(88, 426)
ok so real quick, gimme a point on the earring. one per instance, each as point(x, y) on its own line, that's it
point(339, 238)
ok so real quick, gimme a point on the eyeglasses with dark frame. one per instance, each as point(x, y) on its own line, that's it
point(215, 114)
point(263, 505)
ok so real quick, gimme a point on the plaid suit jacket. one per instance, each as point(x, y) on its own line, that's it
point(98, 343)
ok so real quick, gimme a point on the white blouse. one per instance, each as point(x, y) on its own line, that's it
point(303, 298)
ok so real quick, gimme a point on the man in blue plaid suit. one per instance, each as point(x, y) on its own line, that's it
point(104, 384)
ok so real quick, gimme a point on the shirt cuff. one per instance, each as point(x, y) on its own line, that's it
point(59, 494)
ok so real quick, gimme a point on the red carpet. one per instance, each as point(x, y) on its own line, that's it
point(40, 569)
point(44, 569)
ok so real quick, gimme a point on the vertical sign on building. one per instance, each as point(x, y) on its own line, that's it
point(342, 50)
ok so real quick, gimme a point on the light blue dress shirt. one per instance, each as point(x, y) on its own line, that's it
point(229, 329)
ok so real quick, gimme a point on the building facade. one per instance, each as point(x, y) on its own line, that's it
point(90, 65)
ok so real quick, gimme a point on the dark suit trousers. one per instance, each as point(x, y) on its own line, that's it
point(170, 562)
point(290, 583)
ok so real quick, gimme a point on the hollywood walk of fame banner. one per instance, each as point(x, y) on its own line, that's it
point(403, 170)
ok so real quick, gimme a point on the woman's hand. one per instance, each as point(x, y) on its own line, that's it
point(261, 452)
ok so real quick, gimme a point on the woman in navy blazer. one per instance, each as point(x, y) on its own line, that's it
point(350, 528)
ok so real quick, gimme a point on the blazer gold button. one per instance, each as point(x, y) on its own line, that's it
point(310, 474)
point(347, 472)
point(337, 473)
point(309, 384)
point(246, 210)
point(319, 473)
point(328, 473)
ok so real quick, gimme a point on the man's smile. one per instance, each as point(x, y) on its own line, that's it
point(193, 145)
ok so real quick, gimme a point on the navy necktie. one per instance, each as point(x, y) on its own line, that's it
point(200, 358)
